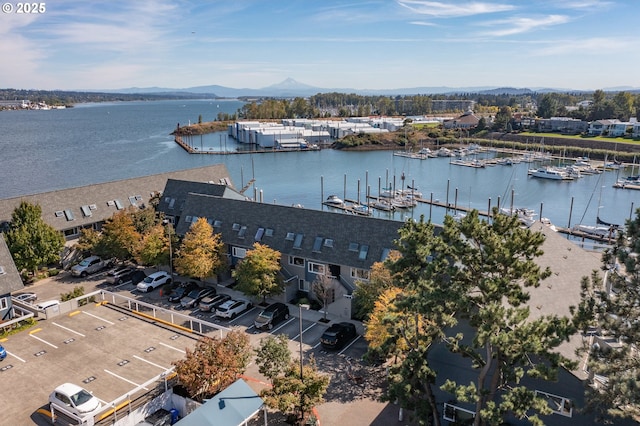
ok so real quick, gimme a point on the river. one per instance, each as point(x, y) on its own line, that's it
point(47, 150)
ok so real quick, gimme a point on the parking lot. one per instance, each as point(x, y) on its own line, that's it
point(110, 353)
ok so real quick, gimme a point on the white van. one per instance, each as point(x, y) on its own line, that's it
point(43, 306)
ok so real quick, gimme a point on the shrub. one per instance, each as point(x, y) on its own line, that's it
point(76, 292)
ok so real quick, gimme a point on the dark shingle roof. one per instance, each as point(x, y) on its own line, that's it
point(328, 237)
point(175, 194)
point(10, 280)
point(85, 205)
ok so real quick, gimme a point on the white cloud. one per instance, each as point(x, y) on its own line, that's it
point(518, 25)
point(448, 10)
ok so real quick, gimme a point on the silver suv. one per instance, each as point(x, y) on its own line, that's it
point(89, 265)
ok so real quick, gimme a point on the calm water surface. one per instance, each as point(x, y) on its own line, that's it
point(48, 150)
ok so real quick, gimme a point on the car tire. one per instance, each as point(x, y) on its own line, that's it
point(83, 274)
point(119, 281)
point(270, 326)
point(286, 317)
point(149, 289)
point(233, 316)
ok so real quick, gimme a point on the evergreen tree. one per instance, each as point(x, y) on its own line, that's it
point(497, 265)
point(201, 253)
point(257, 273)
point(31, 241)
point(608, 317)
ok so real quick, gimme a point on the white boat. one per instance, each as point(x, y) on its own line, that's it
point(444, 152)
point(583, 161)
point(383, 205)
point(526, 216)
point(361, 209)
point(403, 202)
point(334, 200)
point(550, 173)
point(631, 182)
point(598, 231)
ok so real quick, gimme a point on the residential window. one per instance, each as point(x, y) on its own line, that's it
point(217, 223)
point(559, 404)
point(456, 414)
point(242, 232)
point(364, 250)
point(235, 227)
point(259, 234)
point(4, 304)
point(296, 261)
point(328, 242)
point(304, 285)
point(172, 203)
point(360, 274)
point(317, 244)
point(268, 232)
point(239, 252)
point(353, 246)
point(297, 243)
point(316, 268)
point(290, 236)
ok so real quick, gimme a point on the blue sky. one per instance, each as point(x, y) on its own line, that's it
point(386, 44)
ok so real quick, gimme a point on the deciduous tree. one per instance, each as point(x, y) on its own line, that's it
point(257, 273)
point(119, 237)
point(297, 392)
point(213, 364)
point(31, 241)
point(324, 288)
point(273, 356)
point(201, 253)
point(367, 292)
point(154, 247)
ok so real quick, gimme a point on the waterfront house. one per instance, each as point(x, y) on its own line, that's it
point(71, 210)
point(564, 125)
point(466, 121)
point(311, 242)
point(10, 281)
point(601, 127)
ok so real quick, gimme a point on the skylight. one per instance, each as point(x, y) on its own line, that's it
point(364, 249)
point(86, 211)
point(69, 215)
point(290, 236)
point(259, 234)
point(242, 232)
point(118, 204)
point(353, 246)
point(298, 241)
point(317, 244)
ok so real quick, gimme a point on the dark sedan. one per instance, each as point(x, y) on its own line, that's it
point(338, 335)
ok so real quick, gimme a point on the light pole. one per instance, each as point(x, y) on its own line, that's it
point(300, 306)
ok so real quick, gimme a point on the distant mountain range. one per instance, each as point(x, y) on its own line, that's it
point(291, 88)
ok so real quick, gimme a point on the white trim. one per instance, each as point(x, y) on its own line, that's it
point(321, 268)
point(559, 404)
point(239, 252)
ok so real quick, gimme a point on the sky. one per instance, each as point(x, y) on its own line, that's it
point(368, 44)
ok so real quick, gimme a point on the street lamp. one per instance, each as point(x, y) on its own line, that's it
point(300, 306)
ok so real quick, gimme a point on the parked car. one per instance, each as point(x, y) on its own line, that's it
point(155, 280)
point(115, 275)
point(181, 290)
point(3, 353)
point(89, 265)
point(26, 297)
point(232, 308)
point(211, 303)
point(194, 297)
point(338, 335)
point(75, 399)
point(272, 315)
point(132, 275)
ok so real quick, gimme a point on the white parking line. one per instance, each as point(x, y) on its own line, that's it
point(171, 347)
point(68, 329)
point(281, 325)
point(149, 362)
point(304, 331)
point(97, 317)
point(16, 356)
point(43, 341)
point(349, 345)
point(126, 380)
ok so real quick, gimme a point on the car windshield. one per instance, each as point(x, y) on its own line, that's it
point(194, 294)
point(148, 280)
point(81, 397)
point(266, 314)
point(85, 262)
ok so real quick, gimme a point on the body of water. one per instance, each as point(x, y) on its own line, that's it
point(48, 150)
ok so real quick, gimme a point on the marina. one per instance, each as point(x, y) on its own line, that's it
point(118, 141)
